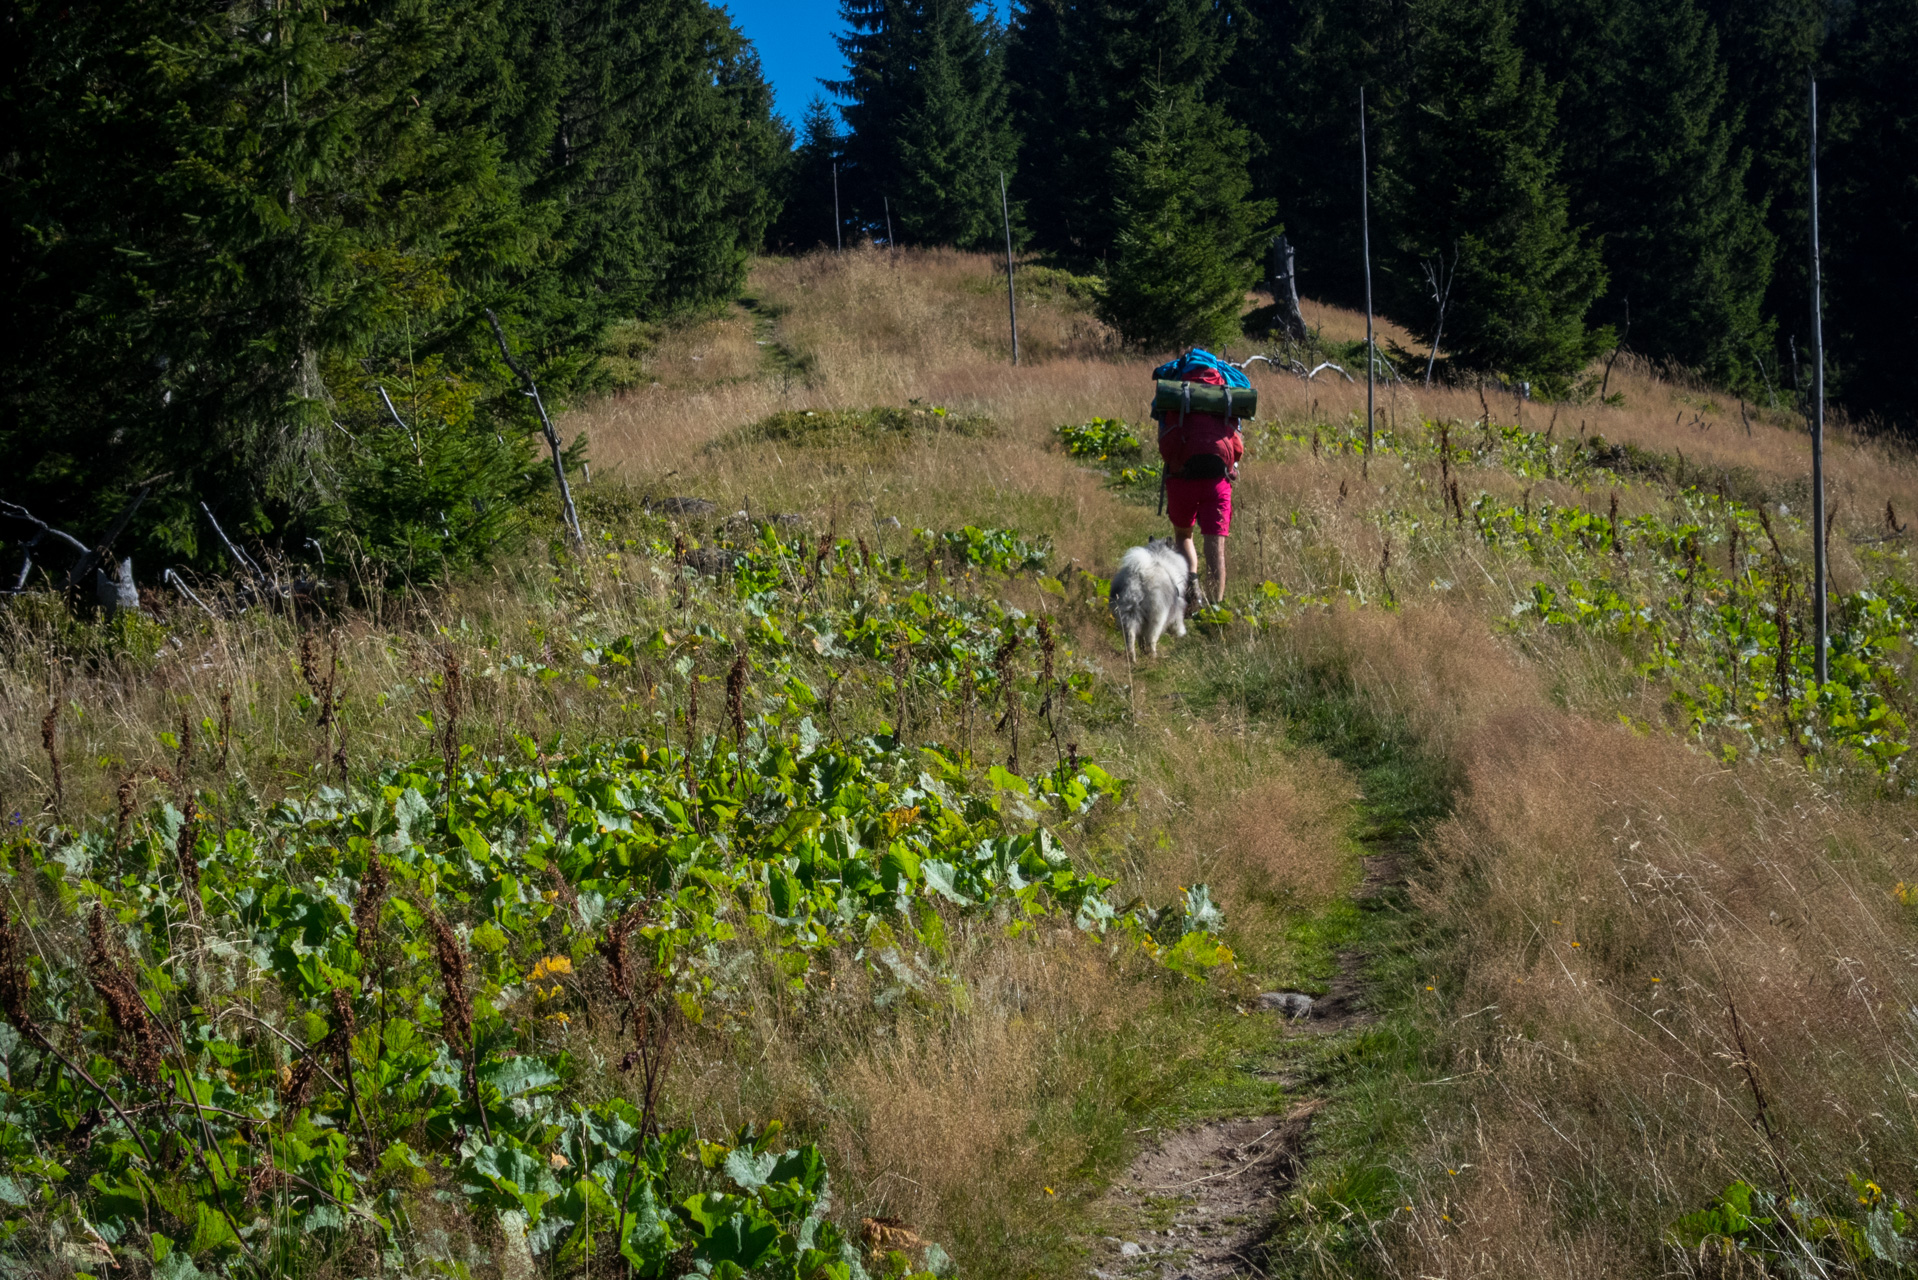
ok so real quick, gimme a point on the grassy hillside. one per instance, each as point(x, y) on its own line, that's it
point(460, 934)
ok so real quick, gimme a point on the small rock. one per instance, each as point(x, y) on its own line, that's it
point(1131, 1249)
point(712, 561)
point(682, 506)
point(1293, 1004)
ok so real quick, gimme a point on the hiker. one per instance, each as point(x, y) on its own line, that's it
point(1200, 451)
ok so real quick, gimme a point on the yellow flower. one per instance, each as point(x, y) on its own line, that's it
point(1051, 1192)
point(557, 1160)
point(550, 966)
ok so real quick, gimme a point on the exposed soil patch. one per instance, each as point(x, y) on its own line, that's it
point(1197, 1202)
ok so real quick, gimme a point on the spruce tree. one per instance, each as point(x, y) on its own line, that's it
point(1646, 130)
point(646, 127)
point(1869, 180)
point(1472, 175)
point(229, 225)
point(954, 138)
point(1083, 71)
point(1189, 239)
point(878, 57)
point(1293, 84)
point(806, 215)
point(1769, 48)
point(929, 121)
point(196, 221)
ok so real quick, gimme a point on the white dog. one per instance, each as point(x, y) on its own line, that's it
point(1149, 594)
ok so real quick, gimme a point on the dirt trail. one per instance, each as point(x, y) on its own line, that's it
point(1197, 1203)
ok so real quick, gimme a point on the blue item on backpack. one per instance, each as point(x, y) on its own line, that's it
point(1198, 358)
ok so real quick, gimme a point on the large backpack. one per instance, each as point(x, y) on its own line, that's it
point(1180, 369)
point(1198, 402)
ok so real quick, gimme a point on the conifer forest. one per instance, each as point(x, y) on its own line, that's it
point(568, 706)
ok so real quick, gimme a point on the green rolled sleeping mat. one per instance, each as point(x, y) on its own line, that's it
point(1227, 402)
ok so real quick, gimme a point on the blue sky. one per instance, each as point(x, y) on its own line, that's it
point(795, 41)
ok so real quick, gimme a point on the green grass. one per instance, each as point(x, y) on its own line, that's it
point(1348, 1187)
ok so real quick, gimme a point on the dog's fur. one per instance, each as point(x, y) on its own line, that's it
point(1148, 595)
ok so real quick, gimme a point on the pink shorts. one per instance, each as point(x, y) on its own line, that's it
point(1207, 503)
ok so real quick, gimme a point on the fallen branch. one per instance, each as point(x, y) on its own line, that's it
point(1338, 369)
point(12, 513)
point(174, 580)
point(239, 557)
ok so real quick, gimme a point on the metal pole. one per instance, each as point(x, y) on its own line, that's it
point(1818, 414)
point(1365, 235)
point(838, 239)
point(1012, 307)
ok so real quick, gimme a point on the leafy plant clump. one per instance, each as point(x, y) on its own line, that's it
point(1108, 445)
point(1797, 1237)
point(455, 988)
point(1099, 440)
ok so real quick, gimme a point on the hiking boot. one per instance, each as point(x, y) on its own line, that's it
point(1194, 595)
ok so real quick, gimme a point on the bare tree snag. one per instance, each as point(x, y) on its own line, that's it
point(1285, 290)
point(567, 511)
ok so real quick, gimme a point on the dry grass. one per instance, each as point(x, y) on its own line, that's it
point(1634, 923)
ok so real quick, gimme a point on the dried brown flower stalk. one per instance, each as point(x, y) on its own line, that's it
point(736, 696)
point(456, 1013)
point(49, 735)
point(15, 989)
point(374, 886)
point(450, 693)
point(183, 854)
point(1002, 662)
point(109, 969)
point(619, 973)
point(125, 795)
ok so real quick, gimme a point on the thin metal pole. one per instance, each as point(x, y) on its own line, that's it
point(1365, 235)
point(838, 239)
point(1012, 307)
point(887, 201)
point(1818, 414)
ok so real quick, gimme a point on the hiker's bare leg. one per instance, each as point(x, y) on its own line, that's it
point(1182, 543)
point(1214, 566)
